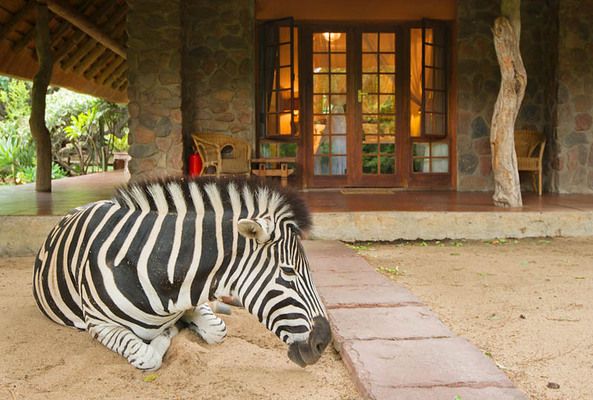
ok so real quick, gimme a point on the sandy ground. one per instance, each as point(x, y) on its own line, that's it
point(42, 360)
point(528, 304)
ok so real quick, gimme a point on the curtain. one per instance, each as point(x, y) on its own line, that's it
point(416, 84)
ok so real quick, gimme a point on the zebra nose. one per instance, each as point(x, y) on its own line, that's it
point(320, 335)
point(307, 353)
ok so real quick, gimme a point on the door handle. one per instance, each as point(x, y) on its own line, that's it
point(360, 95)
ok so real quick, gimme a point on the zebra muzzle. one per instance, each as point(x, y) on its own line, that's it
point(308, 352)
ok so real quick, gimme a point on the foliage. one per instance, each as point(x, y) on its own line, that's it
point(84, 132)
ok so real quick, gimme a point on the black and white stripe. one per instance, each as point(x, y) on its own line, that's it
point(127, 269)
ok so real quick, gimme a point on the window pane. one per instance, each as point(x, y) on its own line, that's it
point(321, 144)
point(369, 103)
point(284, 34)
point(285, 78)
point(337, 41)
point(369, 124)
point(440, 149)
point(387, 165)
point(420, 149)
point(369, 83)
point(387, 139)
point(386, 104)
point(369, 165)
point(421, 165)
point(440, 165)
point(369, 42)
point(338, 124)
point(387, 83)
point(370, 148)
point(338, 62)
point(320, 44)
point(338, 104)
point(339, 165)
point(321, 104)
point(387, 42)
point(320, 63)
point(338, 83)
point(321, 83)
point(387, 148)
point(387, 62)
point(273, 102)
point(338, 144)
point(387, 125)
point(369, 63)
point(285, 124)
point(272, 124)
point(321, 166)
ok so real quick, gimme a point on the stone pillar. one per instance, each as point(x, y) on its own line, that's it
point(154, 92)
point(219, 79)
point(573, 142)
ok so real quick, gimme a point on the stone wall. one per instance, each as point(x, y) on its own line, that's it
point(154, 92)
point(478, 79)
point(573, 143)
point(218, 67)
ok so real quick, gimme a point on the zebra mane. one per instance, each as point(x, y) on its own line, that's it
point(150, 195)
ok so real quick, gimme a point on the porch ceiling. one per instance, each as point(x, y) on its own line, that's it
point(88, 63)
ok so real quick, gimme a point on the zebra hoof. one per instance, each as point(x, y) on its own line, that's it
point(150, 361)
point(221, 308)
point(215, 334)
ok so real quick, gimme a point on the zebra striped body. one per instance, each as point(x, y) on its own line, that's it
point(128, 269)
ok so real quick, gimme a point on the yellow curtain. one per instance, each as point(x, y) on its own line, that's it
point(416, 75)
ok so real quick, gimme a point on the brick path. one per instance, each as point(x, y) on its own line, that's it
point(393, 345)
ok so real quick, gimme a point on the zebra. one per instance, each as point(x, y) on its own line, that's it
point(132, 270)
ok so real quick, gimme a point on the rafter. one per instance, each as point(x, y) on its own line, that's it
point(87, 26)
point(116, 24)
point(16, 18)
point(78, 39)
point(102, 77)
point(116, 74)
point(78, 54)
point(103, 60)
point(28, 36)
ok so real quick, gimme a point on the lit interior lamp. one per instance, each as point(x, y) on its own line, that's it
point(331, 37)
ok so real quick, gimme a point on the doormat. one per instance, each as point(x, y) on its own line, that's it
point(367, 191)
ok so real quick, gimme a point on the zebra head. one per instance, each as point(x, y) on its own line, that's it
point(286, 302)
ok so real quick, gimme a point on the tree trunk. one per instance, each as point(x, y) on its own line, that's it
point(40, 83)
point(507, 189)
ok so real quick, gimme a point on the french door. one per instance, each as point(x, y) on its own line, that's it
point(354, 132)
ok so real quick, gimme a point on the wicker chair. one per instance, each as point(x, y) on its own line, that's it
point(223, 154)
point(529, 146)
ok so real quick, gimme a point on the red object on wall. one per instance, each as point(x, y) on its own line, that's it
point(195, 164)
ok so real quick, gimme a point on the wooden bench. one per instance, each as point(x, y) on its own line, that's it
point(274, 166)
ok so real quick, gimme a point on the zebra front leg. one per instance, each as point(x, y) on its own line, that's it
point(202, 321)
point(144, 356)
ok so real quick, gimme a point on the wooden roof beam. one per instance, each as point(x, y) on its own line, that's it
point(116, 25)
point(85, 25)
point(20, 14)
point(28, 36)
point(102, 77)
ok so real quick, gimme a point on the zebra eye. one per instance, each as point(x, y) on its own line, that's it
point(287, 270)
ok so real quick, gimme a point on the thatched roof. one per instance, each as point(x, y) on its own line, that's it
point(88, 42)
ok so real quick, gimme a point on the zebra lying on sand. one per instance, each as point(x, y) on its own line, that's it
point(127, 270)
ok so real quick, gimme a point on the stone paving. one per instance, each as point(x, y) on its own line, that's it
point(393, 345)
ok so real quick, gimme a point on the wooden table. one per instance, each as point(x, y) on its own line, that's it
point(279, 167)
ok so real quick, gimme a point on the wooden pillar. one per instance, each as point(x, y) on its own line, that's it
point(507, 189)
point(38, 96)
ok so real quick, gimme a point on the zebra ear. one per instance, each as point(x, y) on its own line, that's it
point(255, 229)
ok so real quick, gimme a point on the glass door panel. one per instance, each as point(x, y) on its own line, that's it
point(377, 98)
point(330, 91)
